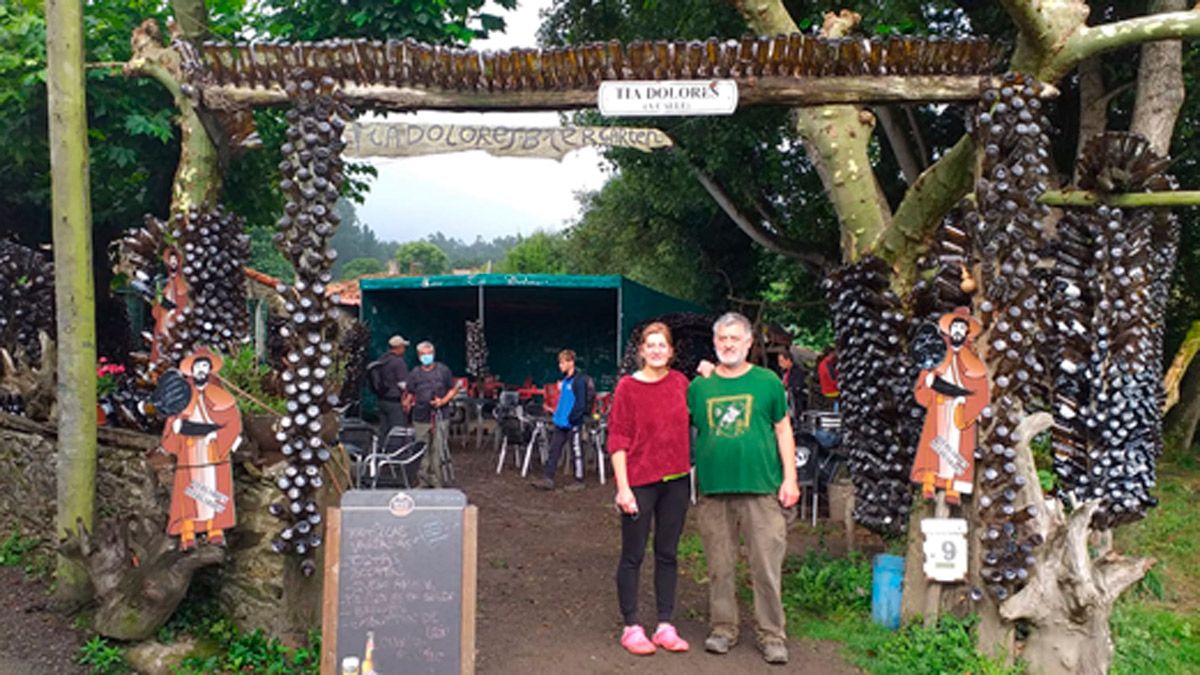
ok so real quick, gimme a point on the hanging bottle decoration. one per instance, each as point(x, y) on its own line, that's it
point(26, 301)
point(189, 269)
point(477, 351)
point(1010, 233)
point(1112, 277)
point(311, 181)
point(880, 418)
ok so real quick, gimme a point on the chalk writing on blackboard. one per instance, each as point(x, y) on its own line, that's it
point(400, 581)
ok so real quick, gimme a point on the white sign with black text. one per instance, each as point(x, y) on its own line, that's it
point(651, 98)
point(945, 549)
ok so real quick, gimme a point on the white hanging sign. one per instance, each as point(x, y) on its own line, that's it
point(945, 549)
point(654, 98)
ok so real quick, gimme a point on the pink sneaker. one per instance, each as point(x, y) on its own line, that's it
point(635, 642)
point(667, 638)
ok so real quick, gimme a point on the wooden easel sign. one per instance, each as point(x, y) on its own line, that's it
point(400, 584)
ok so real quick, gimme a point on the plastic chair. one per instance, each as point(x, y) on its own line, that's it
point(399, 449)
point(510, 427)
point(360, 441)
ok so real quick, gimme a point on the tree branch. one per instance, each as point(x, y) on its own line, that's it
point(918, 137)
point(1179, 365)
point(1042, 26)
point(1093, 105)
point(1088, 41)
point(836, 138)
point(929, 199)
point(771, 240)
point(901, 148)
point(1129, 199)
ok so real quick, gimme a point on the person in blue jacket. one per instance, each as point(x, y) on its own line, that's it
point(568, 416)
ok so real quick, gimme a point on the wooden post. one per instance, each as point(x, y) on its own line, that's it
point(329, 600)
point(933, 592)
point(73, 285)
point(470, 554)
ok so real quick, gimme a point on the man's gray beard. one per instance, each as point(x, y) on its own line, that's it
point(731, 361)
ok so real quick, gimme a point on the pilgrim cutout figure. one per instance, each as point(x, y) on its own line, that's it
point(953, 389)
point(203, 429)
point(169, 306)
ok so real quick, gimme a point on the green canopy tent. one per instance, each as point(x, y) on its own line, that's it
point(527, 319)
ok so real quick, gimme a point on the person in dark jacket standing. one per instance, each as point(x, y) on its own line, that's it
point(392, 374)
point(568, 416)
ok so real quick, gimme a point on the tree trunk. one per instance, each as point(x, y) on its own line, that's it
point(1070, 595)
point(74, 294)
point(837, 140)
point(1160, 86)
point(1179, 427)
point(139, 573)
point(198, 175)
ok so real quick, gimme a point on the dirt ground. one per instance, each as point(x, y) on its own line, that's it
point(547, 596)
point(33, 639)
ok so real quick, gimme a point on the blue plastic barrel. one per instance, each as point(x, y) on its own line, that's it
point(887, 581)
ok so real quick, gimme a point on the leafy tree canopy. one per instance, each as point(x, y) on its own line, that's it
point(360, 266)
point(422, 257)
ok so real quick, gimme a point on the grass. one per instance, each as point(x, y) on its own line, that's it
point(1156, 626)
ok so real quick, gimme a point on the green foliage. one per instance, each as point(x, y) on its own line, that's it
point(948, 648)
point(361, 266)
point(252, 652)
point(423, 258)
point(102, 657)
point(246, 372)
point(822, 584)
point(475, 254)
point(454, 22)
point(1154, 640)
point(829, 598)
point(15, 550)
point(539, 253)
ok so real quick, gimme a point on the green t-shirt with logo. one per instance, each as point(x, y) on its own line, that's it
point(736, 451)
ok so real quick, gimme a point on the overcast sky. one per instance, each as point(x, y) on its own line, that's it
point(467, 194)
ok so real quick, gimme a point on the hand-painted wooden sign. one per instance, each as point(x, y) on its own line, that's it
point(953, 392)
point(395, 139)
point(203, 429)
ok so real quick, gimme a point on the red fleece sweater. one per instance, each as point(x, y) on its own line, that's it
point(649, 421)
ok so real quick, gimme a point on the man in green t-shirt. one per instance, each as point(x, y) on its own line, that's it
point(745, 459)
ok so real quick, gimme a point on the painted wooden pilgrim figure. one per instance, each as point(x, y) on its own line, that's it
point(954, 392)
point(202, 434)
point(169, 307)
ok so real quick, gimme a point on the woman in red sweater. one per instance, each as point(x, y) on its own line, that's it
point(648, 437)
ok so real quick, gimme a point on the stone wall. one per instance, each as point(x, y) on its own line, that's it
point(250, 583)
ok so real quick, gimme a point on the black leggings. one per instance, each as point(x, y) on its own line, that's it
point(666, 503)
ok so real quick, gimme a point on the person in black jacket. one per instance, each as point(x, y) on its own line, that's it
point(568, 417)
point(393, 371)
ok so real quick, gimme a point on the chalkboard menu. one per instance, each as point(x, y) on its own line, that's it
point(400, 584)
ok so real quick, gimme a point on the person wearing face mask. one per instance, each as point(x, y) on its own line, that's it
point(648, 438)
point(429, 387)
point(745, 458)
